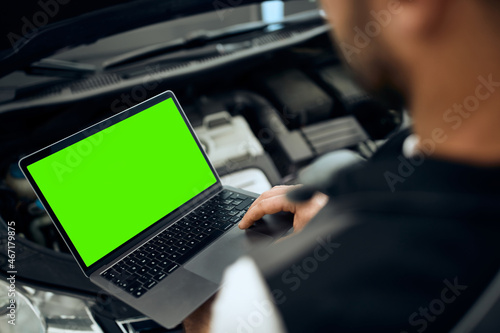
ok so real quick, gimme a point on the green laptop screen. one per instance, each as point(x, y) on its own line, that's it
point(110, 186)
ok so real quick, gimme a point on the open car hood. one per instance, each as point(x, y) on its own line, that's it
point(32, 30)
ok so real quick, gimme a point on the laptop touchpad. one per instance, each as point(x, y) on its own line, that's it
point(212, 262)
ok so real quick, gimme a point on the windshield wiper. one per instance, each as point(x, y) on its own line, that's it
point(201, 37)
point(195, 39)
point(60, 68)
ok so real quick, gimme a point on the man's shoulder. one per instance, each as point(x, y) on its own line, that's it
point(390, 259)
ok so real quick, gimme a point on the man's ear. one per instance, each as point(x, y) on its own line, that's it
point(421, 18)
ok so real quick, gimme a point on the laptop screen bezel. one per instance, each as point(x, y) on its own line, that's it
point(96, 128)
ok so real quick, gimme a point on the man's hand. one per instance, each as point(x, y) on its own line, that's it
point(275, 201)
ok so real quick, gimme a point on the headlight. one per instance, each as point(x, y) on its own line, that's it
point(45, 312)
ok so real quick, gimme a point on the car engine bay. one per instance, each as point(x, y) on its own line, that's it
point(265, 108)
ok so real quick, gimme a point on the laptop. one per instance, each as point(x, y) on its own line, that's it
point(144, 212)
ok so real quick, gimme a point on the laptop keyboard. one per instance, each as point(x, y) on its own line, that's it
point(162, 255)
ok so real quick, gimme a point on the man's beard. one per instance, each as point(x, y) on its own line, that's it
point(380, 82)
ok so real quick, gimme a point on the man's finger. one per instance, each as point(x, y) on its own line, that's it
point(272, 205)
point(276, 190)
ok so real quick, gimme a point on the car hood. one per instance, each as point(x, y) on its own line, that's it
point(32, 30)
